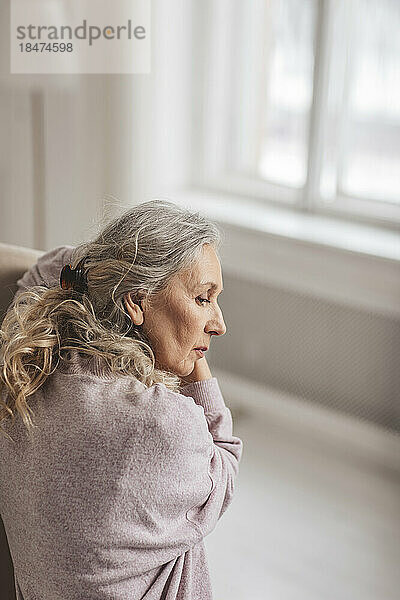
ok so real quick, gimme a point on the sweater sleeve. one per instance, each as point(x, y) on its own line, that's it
point(224, 453)
point(194, 462)
point(46, 271)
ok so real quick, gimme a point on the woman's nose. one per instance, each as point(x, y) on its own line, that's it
point(216, 326)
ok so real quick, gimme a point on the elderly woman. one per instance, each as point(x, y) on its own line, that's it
point(116, 450)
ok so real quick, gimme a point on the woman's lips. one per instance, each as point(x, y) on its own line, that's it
point(200, 351)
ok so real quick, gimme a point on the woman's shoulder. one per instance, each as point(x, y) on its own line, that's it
point(83, 389)
point(77, 369)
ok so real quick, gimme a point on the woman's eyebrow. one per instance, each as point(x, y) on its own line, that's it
point(212, 285)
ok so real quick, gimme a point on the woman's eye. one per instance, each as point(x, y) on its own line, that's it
point(201, 300)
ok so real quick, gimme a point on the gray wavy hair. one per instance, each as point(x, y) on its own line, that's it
point(138, 253)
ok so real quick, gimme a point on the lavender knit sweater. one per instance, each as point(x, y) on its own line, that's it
point(112, 496)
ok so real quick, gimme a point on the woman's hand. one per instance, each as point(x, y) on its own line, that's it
point(200, 372)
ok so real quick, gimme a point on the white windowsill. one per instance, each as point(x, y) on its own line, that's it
point(334, 233)
point(350, 263)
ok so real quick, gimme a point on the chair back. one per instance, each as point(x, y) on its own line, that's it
point(14, 262)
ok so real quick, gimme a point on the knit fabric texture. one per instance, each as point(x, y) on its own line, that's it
point(112, 494)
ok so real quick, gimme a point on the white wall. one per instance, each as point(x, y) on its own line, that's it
point(71, 143)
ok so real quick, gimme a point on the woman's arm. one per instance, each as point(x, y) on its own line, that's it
point(190, 463)
point(46, 271)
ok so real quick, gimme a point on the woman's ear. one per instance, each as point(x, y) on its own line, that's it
point(134, 309)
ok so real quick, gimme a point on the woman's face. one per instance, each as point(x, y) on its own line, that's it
point(185, 315)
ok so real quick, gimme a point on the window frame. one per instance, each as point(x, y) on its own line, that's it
point(214, 86)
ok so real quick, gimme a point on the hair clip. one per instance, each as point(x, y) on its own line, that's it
point(74, 279)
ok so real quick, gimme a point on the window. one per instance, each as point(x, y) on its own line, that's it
point(299, 102)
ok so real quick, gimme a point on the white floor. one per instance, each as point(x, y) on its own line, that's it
point(309, 521)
